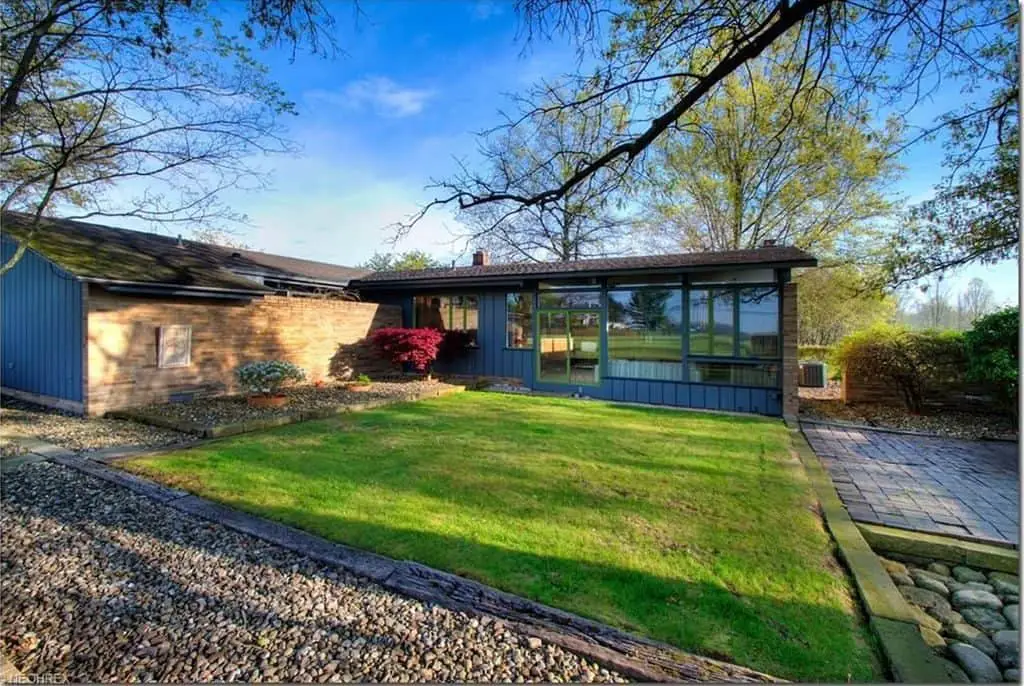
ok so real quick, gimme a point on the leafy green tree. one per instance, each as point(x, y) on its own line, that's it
point(159, 92)
point(752, 162)
point(834, 302)
point(406, 261)
point(993, 356)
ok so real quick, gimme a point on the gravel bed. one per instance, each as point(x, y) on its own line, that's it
point(968, 616)
point(824, 404)
point(80, 434)
point(9, 448)
point(101, 585)
point(235, 408)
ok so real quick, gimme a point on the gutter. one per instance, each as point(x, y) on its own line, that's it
point(119, 286)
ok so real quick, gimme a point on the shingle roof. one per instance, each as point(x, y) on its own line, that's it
point(97, 252)
point(774, 256)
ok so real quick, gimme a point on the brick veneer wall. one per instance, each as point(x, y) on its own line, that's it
point(790, 355)
point(860, 388)
point(324, 337)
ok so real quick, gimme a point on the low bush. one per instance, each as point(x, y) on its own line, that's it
point(268, 376)
point(818, 353)
point(993, 356)
point(455, 345)
point(912, 361)
point(416, 347)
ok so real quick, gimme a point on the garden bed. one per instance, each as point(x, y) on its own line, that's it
point(824, 404)
point(230, 415)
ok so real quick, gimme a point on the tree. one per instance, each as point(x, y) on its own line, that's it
point(937, 310)
point(406, 261)
point(217, 236)
point(752, 163)
point(975, 302)
point(834, 302)
point(974, 216)
point(894, 52)
point(154, 92)
point(588, 221)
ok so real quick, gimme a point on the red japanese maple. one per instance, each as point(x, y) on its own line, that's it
point(416, 347)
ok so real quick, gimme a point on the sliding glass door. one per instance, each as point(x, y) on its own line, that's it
point(569, 347)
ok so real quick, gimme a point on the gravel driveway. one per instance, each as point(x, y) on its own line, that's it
point(99, 584)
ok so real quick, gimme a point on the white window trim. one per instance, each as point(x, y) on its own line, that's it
point(160, 363)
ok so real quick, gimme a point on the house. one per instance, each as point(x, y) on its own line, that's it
point(96, 318)
point(711, 330)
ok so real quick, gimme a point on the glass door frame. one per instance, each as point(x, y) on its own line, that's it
point(568, 312)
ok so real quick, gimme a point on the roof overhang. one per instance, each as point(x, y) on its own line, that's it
point(499, 280)
point(175, 290)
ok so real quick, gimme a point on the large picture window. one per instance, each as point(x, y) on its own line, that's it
point(759, 322)
point(519, 320)
point(712, 327)
point(645, 337)
point(447, 313)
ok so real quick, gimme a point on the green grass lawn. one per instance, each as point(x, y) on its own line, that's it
point(696, 529)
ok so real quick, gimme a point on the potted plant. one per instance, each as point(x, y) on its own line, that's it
point(361, 383)
point(263, 381)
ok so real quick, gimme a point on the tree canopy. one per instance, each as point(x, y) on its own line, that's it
point(406, 261)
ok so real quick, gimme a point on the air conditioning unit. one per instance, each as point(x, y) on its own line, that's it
point(812, 374)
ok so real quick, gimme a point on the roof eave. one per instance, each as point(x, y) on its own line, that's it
point(518, 279)
point(172, 289)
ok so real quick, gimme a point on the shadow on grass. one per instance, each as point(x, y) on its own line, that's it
point(788, 639)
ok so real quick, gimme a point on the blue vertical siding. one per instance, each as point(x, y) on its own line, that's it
point(492, 358)
point(41, 319)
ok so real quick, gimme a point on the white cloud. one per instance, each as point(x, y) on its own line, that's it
point(381, 94)
point(482, 10)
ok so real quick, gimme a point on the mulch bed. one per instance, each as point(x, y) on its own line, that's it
point(224, 410)
point(824, 404)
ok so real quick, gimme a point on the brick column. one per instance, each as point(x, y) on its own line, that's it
point(790, 362)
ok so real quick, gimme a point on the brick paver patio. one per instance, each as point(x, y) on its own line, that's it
point(925, 483)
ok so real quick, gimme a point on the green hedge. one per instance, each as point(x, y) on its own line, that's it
point(993, 357)
point(819, 353)
point(914, 362)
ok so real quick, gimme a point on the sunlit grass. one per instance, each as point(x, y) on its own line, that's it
point(696, 529)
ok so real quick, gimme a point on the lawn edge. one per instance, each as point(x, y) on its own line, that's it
point(889, 616)
point(637, 657)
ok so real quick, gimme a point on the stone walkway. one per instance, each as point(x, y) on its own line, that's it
point(936, 485)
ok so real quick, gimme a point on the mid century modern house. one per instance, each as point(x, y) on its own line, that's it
point(96, 318)
point(714, 330)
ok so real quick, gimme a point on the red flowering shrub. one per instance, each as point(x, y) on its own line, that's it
point(417, 347)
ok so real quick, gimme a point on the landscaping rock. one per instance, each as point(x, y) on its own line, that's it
point(933, 640)
point(893, 567)
point(965, 574)
point(965, 633)
point(901, 579)
point(924, 598)
point(979, 666)
point(939, 568)
point(971, 598)
point(978, 586)
point(112, 587)
point(929, 582)
point(1011, 675)
point(1005, 577)
point(985, 618)
point(1012, 614)
point(1003, 587)
point(947, 617)
point(1007, 641)
point(924, 620)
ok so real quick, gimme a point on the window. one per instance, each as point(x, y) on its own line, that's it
point(447, 312)
point(519, 320)
point(645, 337)
point(735, 374)
point(174, 346)
point(712, 330)
point(570, 300)
point(759, 322)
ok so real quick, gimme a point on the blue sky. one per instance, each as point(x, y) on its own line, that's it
point(416, 80)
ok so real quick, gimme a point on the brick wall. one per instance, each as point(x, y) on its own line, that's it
point(790, 356)
point(860, 388)
point(324, 337)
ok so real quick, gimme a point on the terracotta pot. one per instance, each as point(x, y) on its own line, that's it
point(268, 400)
point(358, 387)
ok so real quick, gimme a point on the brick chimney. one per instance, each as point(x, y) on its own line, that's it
point(481, 258)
